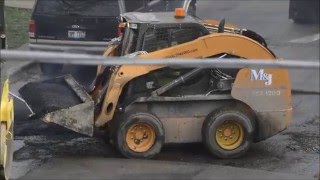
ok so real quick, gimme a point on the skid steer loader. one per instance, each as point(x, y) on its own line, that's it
point(145, 107)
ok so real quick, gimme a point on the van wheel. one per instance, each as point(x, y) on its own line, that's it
point(51, 69)
point(139, 135)
point(228, 133)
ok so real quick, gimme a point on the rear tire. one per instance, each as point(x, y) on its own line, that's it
point(139, 135)
point(228, 133)
point(51, 69)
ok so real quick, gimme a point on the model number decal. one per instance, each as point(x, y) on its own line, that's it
point(261, 76)
point(182, 53)
point(267, 93)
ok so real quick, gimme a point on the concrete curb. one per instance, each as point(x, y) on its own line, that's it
point(15, 67)
point(20, 67)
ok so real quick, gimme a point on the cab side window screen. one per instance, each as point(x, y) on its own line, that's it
point(134, 5)
point(161, 38)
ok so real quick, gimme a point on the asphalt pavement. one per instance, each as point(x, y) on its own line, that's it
point(99, 168)
point(47, 151)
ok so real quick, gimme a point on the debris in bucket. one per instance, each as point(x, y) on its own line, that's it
point(47, 97)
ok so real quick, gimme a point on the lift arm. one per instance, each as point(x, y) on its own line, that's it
point(203, 47)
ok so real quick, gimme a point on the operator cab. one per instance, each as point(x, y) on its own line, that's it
point(151, 32)
point(158, 30)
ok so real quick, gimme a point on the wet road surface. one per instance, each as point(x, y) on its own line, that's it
point(293, 151)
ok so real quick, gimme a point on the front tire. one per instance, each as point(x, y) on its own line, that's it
point(139, 135)
point(228, 133)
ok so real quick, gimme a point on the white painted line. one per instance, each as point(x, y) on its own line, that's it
point(306, 39)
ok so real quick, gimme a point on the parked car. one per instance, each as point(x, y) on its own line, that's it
point(304, 11)
point(75, 26)
point(83, 26)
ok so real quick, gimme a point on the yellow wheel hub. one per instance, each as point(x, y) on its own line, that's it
point(229, 135)
point(140, 137)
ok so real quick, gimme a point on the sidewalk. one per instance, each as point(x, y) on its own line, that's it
point(14, 67)
point(26, 4)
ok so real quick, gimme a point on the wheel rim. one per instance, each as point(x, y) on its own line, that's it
point(229, 135)
point(140, 137)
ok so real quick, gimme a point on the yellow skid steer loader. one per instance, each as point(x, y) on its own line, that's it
point(145, 107)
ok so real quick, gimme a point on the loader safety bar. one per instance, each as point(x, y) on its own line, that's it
point(85, 59)
point(24, 102)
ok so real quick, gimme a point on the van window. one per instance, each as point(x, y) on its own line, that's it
point(78, 7)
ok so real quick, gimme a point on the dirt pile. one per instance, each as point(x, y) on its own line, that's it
point(48, 97)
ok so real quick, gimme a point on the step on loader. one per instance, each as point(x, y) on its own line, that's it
point(144, 107)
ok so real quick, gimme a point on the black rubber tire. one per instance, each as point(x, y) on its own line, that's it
point(215, 119)
point(2, 173)
point(124, 123)
point(51, 69)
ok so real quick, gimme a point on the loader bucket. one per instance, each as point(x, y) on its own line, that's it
point(61, 101)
